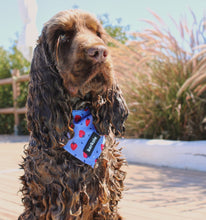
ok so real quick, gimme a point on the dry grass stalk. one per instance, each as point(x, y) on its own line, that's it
point(165, 82)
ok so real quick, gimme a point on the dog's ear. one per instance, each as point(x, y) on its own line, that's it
point(48, 106)
point(110, 112)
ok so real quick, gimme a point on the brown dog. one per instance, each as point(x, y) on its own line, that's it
point(71, 70)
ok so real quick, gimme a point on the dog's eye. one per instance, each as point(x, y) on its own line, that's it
point(98, 34)
point(63, 37)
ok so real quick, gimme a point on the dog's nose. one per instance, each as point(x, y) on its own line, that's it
point(98, 53)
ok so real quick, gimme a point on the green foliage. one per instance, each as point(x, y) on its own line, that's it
point(22, 128)
point(5, 90)
point(4, 63)
point(115, 30)
point(17, 61)
point(12, 60)
point(21, 100)
point(7, 124)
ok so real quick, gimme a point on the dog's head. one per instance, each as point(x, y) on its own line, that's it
point(72, 61)
point(77, 42)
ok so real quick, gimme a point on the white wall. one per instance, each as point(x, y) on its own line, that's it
point(178, 154)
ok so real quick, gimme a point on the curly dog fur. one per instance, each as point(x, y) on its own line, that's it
point(71, 69)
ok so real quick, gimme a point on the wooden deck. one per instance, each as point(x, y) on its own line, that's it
point(10, 199)
point(152, 193)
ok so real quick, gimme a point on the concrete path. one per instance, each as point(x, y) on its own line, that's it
point(152, 193)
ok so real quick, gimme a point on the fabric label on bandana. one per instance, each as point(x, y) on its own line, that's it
point(92, 142)
point(87, 144)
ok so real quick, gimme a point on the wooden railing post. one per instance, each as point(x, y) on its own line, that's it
point(15, 81)
point(15, 74)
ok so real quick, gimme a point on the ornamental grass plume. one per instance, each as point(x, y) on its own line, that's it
point(167, 93)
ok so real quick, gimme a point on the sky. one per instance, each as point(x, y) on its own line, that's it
point(132, 12)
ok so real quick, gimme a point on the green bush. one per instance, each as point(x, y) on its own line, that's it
point(10, 60)
point(116, 30)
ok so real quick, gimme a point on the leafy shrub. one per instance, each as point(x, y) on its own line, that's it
point(116, 30)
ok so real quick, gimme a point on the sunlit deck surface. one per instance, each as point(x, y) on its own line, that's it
point(151, 193)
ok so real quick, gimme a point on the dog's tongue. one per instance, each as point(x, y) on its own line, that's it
point(73, 90)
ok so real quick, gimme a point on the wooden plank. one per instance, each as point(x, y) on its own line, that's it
point(22, 78)
point(11, 110)
point(21, 110)
point(7, 110)
point(6, 81)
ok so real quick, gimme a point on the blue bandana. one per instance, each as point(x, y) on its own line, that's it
point(87, 144)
